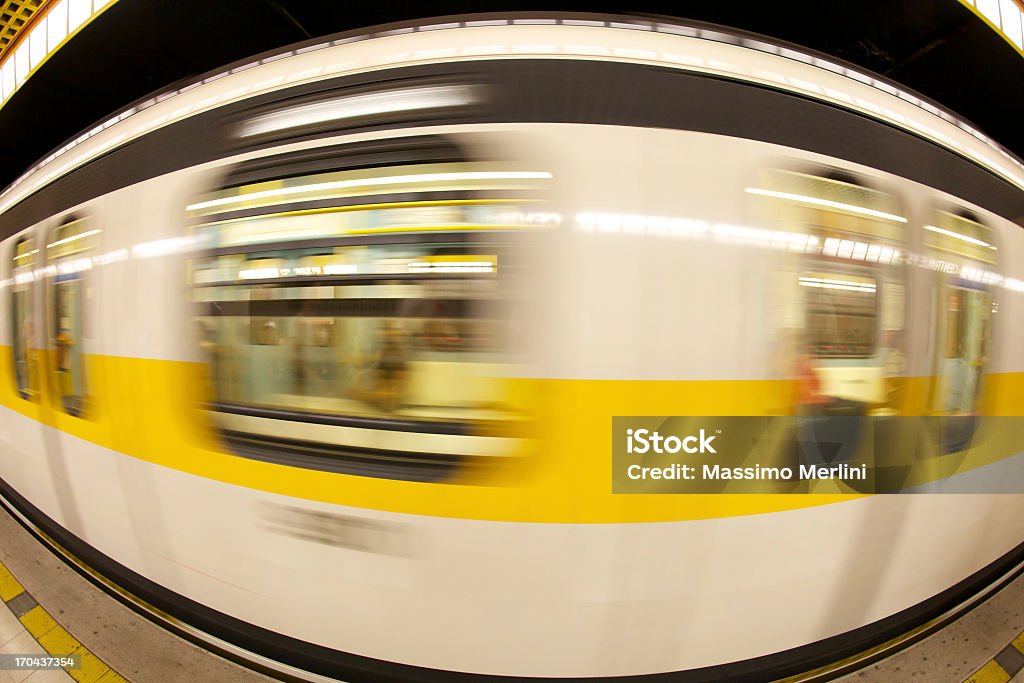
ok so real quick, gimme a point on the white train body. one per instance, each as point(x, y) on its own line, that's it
point(543, 572)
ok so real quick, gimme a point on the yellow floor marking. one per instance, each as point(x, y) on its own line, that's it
point(55, 639)
point(1018, 642)
point(9, 586)
point(93, 669)
point(112, 677)
point(990, 673)
point(37, 622)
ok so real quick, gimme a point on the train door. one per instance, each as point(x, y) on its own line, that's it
point(846, 294)
point(847, 290)
point(67, 285)
point(960, 250)
point(24, 346)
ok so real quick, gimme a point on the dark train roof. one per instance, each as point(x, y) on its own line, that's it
point(939, 48)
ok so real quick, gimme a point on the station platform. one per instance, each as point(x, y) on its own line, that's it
point(985, 645)
point(49, 609)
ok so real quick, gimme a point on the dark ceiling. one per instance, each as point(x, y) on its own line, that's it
point(936, 47)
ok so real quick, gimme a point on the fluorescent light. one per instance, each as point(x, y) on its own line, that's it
point(372, 182)
point(355, 106)
point(301, 271)
point(26, 255)
point(829, 283)
point(818, 201)
point(37, 43)
point(76, 266)
point(20, 59)
point(164, 247)
point(78, 13)
point(79, 236)
point(833, 281)
point(990, 10)
point(451, 267)
point(258, 274)
point(958, 236)
point(57, 26)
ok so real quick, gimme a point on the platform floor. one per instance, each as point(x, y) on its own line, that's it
point(47, 606)
point(965, 649)
point(117, 643)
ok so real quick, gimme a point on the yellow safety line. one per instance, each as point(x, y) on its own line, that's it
point(9, 586)
point(990, 673)
point(993, 671)
point(54, 638)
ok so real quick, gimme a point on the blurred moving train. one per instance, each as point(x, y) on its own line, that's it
point(318, 355)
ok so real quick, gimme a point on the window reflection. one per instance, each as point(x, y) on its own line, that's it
point(965, 348)
point(845, 304)
point(421, 345)
point(72, 241)
point(841, 314)
point(963, 325)
point(23, 330)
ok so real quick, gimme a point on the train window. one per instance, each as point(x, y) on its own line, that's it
point(363, 318)
point(846, 291)
point(419, 347)
point(23, 330)
point(966, 318)
point(961, 249)
point(960, 235)
point(67, 253)
point(841, 314)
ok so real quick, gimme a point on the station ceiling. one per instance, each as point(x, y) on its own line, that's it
point(939, 48)
point(15, 15)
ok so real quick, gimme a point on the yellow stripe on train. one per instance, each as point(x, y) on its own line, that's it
point(150, 410)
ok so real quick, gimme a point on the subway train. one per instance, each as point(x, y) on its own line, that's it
point(316, 358)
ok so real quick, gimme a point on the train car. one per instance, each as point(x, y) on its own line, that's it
point(317, 357)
